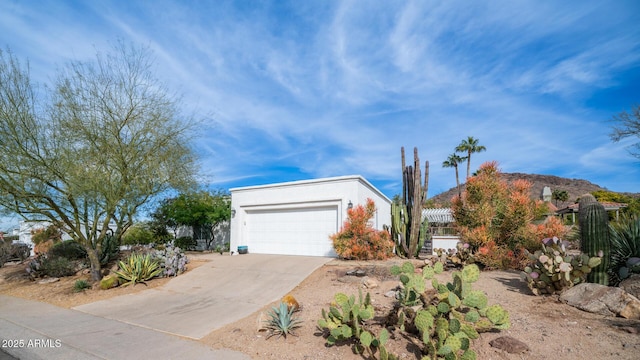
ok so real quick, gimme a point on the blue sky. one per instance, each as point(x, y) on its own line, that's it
point(306, 89)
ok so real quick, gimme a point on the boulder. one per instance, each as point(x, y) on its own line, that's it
point(603, 300)
point(509, 344)
point(631, 285)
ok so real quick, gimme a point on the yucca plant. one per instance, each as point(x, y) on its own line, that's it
point(625, 248)
point(281, 321)
point(138, 268)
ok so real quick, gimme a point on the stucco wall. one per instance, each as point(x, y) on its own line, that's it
point(338, 192)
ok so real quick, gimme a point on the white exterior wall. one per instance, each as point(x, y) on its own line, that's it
point(327, 193)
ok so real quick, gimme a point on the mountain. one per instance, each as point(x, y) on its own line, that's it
point(575, 187)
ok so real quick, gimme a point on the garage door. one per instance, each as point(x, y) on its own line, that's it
point(297, 231)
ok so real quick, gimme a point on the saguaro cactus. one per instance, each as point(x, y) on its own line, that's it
point(408, 230)
point(594, 237)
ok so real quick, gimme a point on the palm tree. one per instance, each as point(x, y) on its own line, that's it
point(469, 146)
point(453, 161)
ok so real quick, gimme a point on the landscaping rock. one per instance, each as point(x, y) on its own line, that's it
point(631, 285)
point(369, 283)
point(356, 272)
point(48, 280)
point(391, 294)
point(260, 322)
point(603, 300)
point(509, 344)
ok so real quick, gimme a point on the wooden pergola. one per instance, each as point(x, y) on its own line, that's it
point(608, 206)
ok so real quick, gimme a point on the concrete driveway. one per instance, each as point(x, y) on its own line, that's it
point(222, 291)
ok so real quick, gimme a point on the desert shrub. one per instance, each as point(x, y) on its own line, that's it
point(51, 232)
point(186, 243)
point(80, 285)
point(172, 260)
point(57, 266)
point(43, 247)
point(5, 250)
point(69, 249)
point(494, 215)
point(19, 251)
point(357, 240)
point(11, 251)
point(625, 249)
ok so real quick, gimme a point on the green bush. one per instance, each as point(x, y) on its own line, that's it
point(69, 249)
point(138, 234)
point(186, 243)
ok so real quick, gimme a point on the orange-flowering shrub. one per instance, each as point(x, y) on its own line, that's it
point(551, 227)
point(357, 240)
point(493, 256)
point(495, 218)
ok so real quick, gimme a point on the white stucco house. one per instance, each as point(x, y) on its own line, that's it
point(297, 218)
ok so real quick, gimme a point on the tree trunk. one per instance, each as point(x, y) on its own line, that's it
point(458, 182)
point(94, 259)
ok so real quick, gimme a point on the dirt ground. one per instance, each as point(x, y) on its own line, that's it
point(549, 328)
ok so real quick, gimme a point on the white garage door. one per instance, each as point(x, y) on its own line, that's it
point(299, 231)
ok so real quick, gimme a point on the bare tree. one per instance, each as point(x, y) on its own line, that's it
point(627, 124)
point(105, 139)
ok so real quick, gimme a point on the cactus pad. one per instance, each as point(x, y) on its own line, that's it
point(453, 342)
point(476, 299)
point(438, 268)
point(497, 315)
point(423, 321)
point(471, 273)
point(428, 272)
point(472, 316)
point(408, 268)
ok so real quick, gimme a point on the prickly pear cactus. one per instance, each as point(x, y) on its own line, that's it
point(456, 315)
point(413, 284)
point(551, 270)
point(344, 318)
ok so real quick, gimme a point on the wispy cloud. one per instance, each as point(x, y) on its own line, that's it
point(293, 90)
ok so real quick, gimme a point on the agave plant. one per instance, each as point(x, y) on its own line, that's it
point(281, 321)
point(625, 249)
point(138, 268)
